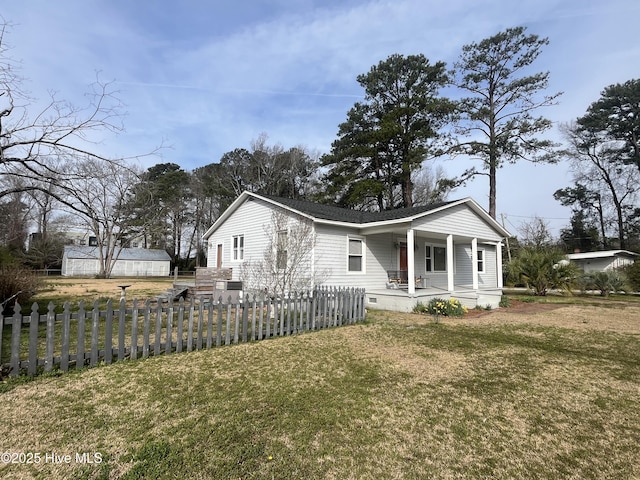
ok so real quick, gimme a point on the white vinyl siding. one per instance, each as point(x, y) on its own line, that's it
point(464, 274)
point(251, 218)
point(488, 278)
point(331, 256)
point(458, 221)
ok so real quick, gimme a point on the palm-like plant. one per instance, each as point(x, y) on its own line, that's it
point(543, 269)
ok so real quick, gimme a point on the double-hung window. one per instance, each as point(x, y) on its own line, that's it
point(480, 261)
point(355, 255)
point(281, 250)
point(238, 247)
point(435, 257)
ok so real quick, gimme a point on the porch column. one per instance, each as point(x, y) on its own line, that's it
point(499, 264)
point(450, 263)
point(474, 264)
point(411, 267)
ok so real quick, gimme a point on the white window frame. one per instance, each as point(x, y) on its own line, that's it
point(482, 260)
point(282, 249)
point(430, 257)
point(362, 255)
point(237, 247)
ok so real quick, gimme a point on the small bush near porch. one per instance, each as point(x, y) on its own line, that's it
point(542, 391)
point(441, 307)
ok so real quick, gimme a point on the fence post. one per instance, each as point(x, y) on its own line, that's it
point(259, 335)
point(66, 333)
point(168, 347)
point(51, 321)
point(16, 329)
point(236, 321)
point(219, 324)
point(156, 346)
point(122, 316)
point(210, 323)
point(108, 335)
point(133, 354)
point(268, 317)
point(200, 323)
point(95, 323)
point(33, 339)
point(296, 322)
point(146, 328)
point(245, 318)
point(190, 324)
point(80, 346)
point(227, 333)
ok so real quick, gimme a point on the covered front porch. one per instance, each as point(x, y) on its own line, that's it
point(422, 263)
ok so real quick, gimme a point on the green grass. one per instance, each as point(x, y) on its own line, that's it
point(397, 397)
point(573, 299)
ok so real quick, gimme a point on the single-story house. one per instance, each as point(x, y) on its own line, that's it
point(602, 261)
point(132, 262)
point(400, 257)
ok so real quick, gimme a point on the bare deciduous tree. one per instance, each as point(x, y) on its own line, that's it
point(596, 163)
point(36, 141)
point(288, 263)
point(100, 193)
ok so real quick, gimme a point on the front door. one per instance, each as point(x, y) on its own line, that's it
point(404, 266)
point(219, 256)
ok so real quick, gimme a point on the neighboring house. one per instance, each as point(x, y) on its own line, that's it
point(448, 249)
point(602, 261)
point(132, 262)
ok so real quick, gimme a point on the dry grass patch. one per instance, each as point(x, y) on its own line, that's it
point(62, 289)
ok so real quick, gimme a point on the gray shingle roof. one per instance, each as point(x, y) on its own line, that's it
point(139, 254)
point(339, 214)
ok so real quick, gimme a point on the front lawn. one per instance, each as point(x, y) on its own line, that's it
point(508, 394)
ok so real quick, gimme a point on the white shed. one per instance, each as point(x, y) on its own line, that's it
point(132, 262)
point(602, 261)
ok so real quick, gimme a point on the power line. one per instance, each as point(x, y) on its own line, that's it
point(536, 216)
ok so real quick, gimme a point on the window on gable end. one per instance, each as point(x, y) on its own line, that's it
point(238, 247)
point(355, 255)
point(281, 250)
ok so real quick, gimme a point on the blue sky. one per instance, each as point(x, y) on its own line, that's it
point(205, 77)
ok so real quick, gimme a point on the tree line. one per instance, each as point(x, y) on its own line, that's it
point(54, 177)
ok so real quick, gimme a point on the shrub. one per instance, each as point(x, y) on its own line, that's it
point(633, 275)
point(607, 282)
point(17, 284)
point(441, 307)
point(543, 269)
